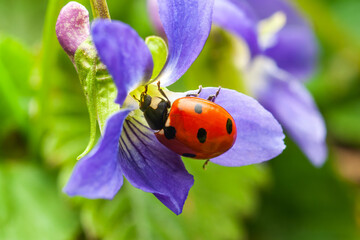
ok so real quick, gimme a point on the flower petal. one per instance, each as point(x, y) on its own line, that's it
point(72, 27)
point(153, 11)
point(296, 48)
point(187, 25)
point(237, 18)
point(265, 8)
point(293, 106)
point(124, 53)
point(295, 51)
point(151, 167)
point(259, 135)
point(98, 175)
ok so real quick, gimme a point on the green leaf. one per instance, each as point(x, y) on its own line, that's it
point(159, 53)
point(15, 66)
point(18, 61)
point(305, 202)
point(343, 122)
point(31, 207)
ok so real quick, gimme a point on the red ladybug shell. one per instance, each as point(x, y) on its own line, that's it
point(198, 128)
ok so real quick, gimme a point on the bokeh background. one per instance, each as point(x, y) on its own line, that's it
point(44, 127)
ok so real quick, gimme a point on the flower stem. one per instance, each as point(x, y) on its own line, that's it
point(100, 9)
point(47, 64)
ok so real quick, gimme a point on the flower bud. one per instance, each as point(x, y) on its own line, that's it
point(72, 27)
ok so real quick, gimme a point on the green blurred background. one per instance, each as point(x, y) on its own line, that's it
point(44, 127)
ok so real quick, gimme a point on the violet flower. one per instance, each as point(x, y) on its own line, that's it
point(281, 58)
point(283, 55)
point(128, 146)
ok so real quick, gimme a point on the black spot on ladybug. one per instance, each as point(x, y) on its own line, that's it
point(229, 126)
point(169, 132)
point(190, 155)
point(201, 135)
point(198, 108)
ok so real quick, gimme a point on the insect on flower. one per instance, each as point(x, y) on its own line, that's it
point(278, 54)
point(192, 127)
point(129, 146)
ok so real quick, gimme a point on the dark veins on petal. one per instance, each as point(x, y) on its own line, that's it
point(152, 167)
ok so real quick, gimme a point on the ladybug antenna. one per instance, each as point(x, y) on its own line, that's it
point(146, 89)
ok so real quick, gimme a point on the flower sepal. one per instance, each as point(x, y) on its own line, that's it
point(159, 53)
point(98, 87)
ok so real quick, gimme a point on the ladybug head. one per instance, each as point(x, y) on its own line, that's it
point(155, 109)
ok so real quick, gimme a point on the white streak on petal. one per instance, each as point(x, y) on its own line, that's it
point(268, 29)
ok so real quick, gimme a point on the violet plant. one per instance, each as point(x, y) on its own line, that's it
point(128, 147)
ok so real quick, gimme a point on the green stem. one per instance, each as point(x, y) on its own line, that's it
point(100, 9)
point(47, 62)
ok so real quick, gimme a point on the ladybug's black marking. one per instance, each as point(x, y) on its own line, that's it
point(198, 108)
point(190, 155)
point(229, 126)
point(169, 132)
point(201, 135)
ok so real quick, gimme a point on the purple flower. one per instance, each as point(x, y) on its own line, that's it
point(128, 146)
point(283, 55)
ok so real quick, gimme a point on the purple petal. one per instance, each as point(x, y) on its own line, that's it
point(124, 53)
point(295, 109)
point(153, 10)
point(98, 175)
point(237, 18)
point(187, 25)
point(296, 49)
point(265, 8)
point(151, 167)
point(72, 27)
point(259, 135)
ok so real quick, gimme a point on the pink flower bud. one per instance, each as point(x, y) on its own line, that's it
point(72, 27)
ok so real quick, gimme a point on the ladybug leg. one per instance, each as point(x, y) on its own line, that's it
point(195, 94)
point(143, 93)
point(205, 164)
point(164, 95)
point(200, 89)
point(213, 97)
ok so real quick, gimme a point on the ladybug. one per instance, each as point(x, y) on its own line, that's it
point(191, 126)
